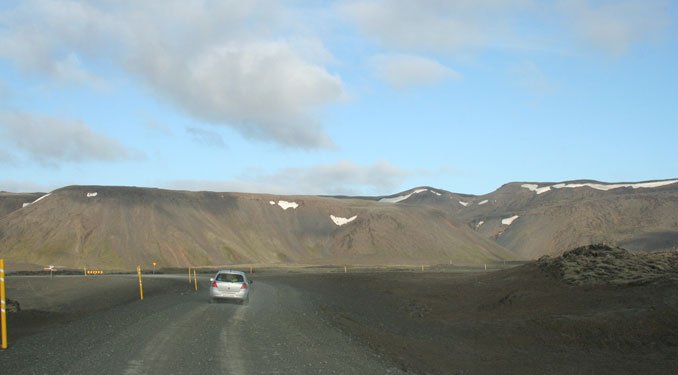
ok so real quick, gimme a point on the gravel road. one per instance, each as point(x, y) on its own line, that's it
point(176, 331)
point(515, 321)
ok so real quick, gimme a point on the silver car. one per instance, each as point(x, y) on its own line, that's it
point(230, 285)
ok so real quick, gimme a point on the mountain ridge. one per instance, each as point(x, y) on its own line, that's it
point(120, 226)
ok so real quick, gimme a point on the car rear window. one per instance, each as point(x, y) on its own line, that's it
point(230, 277)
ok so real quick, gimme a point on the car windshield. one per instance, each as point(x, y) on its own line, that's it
point(229, 278)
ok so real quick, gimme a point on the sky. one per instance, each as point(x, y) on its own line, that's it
point(354, 97)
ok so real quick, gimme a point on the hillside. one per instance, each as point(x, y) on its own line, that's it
point(119, 227)
point(534, 219)
point(10, 202)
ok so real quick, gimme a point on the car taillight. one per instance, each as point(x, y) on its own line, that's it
point(214, 284)
point(243, 286)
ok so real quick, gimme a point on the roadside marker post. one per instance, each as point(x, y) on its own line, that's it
point(141, 288)
point(3, 305)
point(195, 279)
point(345, 269)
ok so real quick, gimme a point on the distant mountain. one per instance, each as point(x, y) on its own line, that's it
point(120, 227)
point(534, 219)
point(10, 202)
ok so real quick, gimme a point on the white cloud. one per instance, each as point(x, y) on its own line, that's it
point(614, 26)
point(243, 64)
point(156, 127)
point(206, 137)
point(530, 76)
point(51, 140)
point(342, 178)
point(5, 92)
point(70, 69)
point(404, 71)
point(460, 26)
point(449, 26)
point(263, 89)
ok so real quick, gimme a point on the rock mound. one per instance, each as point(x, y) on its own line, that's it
point(601, 264)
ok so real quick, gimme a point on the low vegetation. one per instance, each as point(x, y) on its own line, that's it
point(602, 264)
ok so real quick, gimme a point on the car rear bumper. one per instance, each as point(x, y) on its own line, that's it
point(215, 293)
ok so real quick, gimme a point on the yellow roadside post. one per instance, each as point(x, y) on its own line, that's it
point(141, 287)
point(195, 279)
point(3, 305)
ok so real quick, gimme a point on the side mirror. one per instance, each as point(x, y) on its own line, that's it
point(211, 279)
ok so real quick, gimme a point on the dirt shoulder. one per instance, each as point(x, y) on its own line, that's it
point(46, 303)
point(512, 321)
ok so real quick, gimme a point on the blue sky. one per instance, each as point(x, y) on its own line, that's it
point(337, 97)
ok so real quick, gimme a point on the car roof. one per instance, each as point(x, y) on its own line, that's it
point(232, 271)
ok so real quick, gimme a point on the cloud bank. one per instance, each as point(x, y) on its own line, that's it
point(462, 26)
point(51, 140)
point(614, 27)
point(342, 178)
point(206, 137)
point(404, 71)
point(242, 64)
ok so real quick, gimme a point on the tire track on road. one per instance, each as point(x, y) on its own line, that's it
point(153, 357)
point(281, 332)
point(230, 344)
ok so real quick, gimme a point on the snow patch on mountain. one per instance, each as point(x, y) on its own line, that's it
point(481, 222)
point(603, 187)
point(509, 220)
point(342, 220)
point(463, 203)
point(482, 202)
point(90, 195)
point(37, 200)
point(536, 188)
point(285, 205)
point(402, 197)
